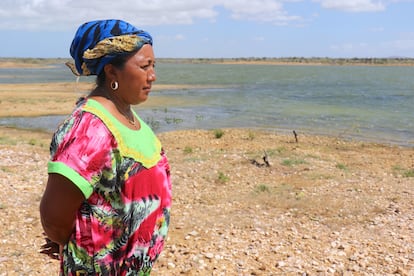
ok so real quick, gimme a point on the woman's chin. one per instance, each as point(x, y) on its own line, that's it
point(140, 100)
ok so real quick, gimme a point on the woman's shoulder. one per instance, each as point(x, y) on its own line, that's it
point(83, 122)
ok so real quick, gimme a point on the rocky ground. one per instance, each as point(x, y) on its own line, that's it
point(324, 206)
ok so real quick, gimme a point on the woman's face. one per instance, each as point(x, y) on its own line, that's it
point(136, 78)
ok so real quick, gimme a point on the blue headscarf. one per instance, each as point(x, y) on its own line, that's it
point(97, 43)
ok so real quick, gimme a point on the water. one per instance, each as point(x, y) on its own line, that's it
point(359, 102)
point(55, 73)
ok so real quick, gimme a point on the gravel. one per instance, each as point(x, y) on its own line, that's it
point(324, 206)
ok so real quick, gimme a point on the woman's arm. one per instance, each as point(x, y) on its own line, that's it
point(58, 207)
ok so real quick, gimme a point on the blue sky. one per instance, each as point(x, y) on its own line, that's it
point(216, 29)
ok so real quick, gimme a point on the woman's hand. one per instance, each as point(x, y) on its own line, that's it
point(52, 249)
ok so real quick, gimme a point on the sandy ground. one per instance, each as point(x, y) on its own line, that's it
point(324, 206)
point(35, 99)
point(17, 64)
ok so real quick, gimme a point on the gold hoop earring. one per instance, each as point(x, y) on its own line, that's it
point(114, 85)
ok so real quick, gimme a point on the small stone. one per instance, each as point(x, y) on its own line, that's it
point(355, 268)
point(280, 264)
point(193, 233)
point(353, 258)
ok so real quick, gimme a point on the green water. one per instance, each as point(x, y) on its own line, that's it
point(363, 102)
point(359, 102)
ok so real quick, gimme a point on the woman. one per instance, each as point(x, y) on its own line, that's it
point(108, 196)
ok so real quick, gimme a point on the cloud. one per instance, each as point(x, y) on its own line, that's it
point(68, 14)
point(59, 14)
point(263, 11)
point(353, 5)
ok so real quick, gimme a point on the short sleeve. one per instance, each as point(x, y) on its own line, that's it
point(81, 150)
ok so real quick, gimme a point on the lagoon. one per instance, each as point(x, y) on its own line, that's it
point(373, 103)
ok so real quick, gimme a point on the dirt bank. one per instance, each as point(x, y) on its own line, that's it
point(323, 206)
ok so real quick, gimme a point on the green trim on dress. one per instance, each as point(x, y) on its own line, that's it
point(72, 175)
point(141, 145)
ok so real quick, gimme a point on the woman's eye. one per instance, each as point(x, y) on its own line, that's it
point(146, 67)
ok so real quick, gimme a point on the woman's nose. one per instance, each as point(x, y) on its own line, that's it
point(151, 75)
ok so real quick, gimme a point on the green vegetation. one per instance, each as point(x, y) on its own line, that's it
point(409, 173)
point(218, 133)
point(252, 135)
point(188, 150)
point(222, 178)
point(170, 120)
point(402, 171)
point(292, 162)
point(153, 123)
point(262, 188)
point(280, 60)
point(7, 141)
point(341, 166)
point(276, 151)
point(299, 195)
point(33, 142)
point(199, 117)
point(5, 169)
point(297, 60)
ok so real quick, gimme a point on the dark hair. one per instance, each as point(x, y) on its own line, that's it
point(118, 62)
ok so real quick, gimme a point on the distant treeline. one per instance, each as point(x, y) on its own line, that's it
point(262, 60)
point(40, 61)
point(300, 60)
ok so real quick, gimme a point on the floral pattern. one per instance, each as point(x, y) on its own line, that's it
point(122, 225)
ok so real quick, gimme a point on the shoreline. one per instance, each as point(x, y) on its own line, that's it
point(41, 99)
point(56, 99)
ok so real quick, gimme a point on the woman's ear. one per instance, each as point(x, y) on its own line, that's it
point(110, 72)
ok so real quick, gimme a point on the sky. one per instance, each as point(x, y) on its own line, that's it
point(219, 29)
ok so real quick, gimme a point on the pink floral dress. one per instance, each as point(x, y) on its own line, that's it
point(122, 225)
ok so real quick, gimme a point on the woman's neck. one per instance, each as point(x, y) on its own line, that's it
point(123, 108)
